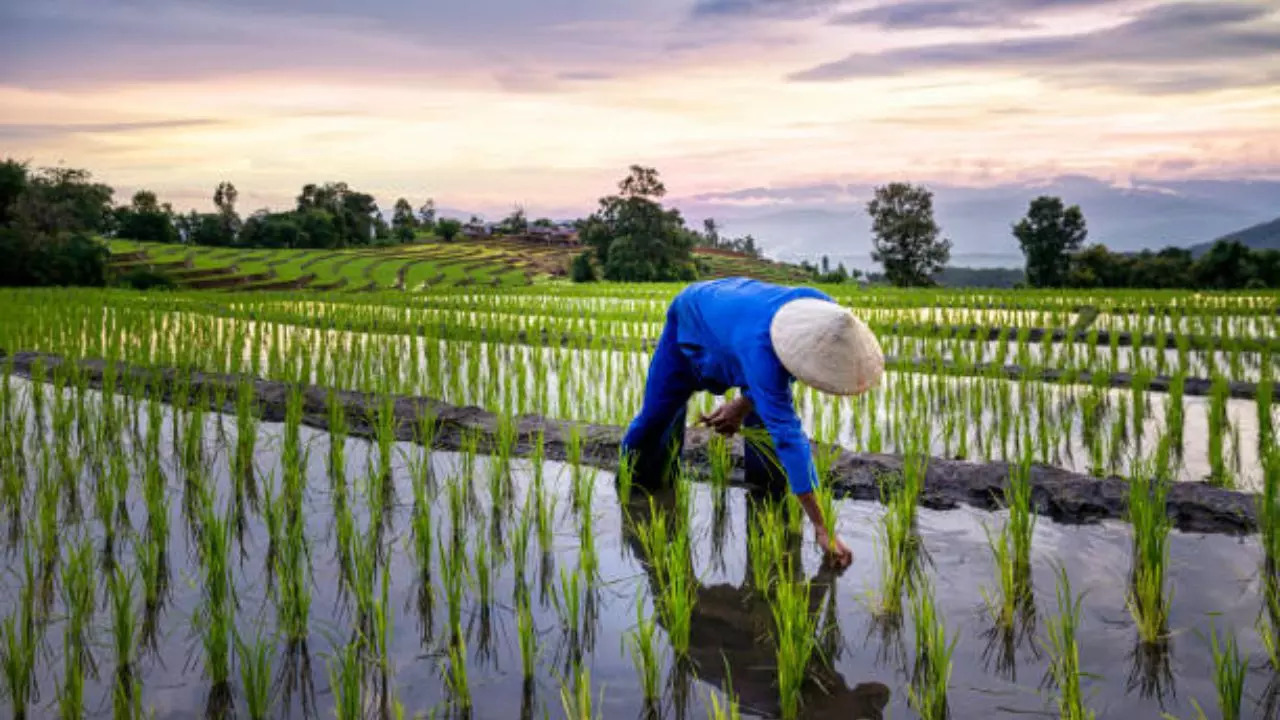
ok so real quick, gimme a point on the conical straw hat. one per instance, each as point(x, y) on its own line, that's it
point(824, 346)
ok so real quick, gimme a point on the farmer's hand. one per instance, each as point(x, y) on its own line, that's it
point(727, 419)
point(834, 551)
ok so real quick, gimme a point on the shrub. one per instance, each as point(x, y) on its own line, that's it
point(582, 270)
point(145, 279)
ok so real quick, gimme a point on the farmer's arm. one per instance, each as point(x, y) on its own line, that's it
point(770, 394)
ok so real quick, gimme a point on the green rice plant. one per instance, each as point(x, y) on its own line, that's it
point(727, 711)
point(1011, 551)
point(293, 585)
point(255, 675)
point(423, 532)
point(587, 559)
point(346, 681)
point(215, 617)
point(666, 550)
point(337, 418)
point(1175, 412)
point(544, 522)
point(795, 629)
point(575, 696)
point(719, 460)
point(928, 690)
point(1229, 670)
point(520, 543)
point(528, 637)
point(626, 476)
point(765, 544)
point(482, 571)
point(19, 641)
point(1218, 427)
point(120, 583)
point(456, 678)
point(568, 604)
point(1263, 400)
point(1064, 655)
point(1147, 598)
point(641, 644)
point(453, 571)
point(898, 546)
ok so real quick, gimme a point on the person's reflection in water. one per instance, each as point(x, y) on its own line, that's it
point(731, 636)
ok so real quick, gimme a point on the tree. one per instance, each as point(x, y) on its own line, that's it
point(144, 219)
point(427, 213)
point(448, 229)
point(635, 238)
point(1048, 235)
point(711, 231)
point(403, 222)
point(224, 197)
point(906, 237)
point(516, 223)
point(581, 270)
point(13, 181)
point(1227, 265)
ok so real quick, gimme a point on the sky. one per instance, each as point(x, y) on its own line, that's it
point(486, 104)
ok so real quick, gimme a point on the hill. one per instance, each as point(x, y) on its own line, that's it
point(486, 262)
point(1263, 236)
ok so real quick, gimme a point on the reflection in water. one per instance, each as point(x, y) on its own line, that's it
point(731, 633)
point(1151, 674)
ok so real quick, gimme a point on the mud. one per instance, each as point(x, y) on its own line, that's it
point(1062, 495)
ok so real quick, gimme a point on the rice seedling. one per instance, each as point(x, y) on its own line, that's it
point(666, 551)
point(795, 629)
point(19, 640)
point(1064, 655)
point(528, 638)
point(1011, 550)
point(346, 681)
point(1229, 670)
point(292, 586)
point(520, 544)
point(120, 583)
point(215, 618)
point(575, 695)
point(928, 690)
point(898, 545)
point(719, 460)
point(1218, 422)
point(625, 477)
point(453, 571)
point(423, 532)
point(641, 644)
point(255, 675)
point(456, 677)
point(765, 544)
point(1147, 599)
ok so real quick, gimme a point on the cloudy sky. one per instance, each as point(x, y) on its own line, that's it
point(487, 103)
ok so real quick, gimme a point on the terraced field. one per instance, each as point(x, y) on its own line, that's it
point(490, 263)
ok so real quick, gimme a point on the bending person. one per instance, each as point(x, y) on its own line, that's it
point(757, 337)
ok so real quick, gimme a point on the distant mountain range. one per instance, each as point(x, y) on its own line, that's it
point(794, 223)
point(1263, 236)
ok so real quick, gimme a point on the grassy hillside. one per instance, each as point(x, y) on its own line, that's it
point(404, 267)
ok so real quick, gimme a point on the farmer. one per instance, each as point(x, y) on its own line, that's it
point(757, 337)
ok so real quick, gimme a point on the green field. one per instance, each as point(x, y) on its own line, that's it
point(416, 267)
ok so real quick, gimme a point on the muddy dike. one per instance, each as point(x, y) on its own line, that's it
point(1059, 494)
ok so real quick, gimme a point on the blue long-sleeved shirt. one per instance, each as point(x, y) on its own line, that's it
point(717, 337)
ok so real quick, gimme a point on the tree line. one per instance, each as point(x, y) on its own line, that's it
point(907, 242)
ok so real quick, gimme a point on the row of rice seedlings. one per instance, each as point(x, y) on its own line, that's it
point(293, 584)
point(217, 611)
point(1268, 514)
point(127, 689)
point(641, 644)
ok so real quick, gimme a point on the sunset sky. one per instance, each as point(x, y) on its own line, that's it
point(486, 103)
